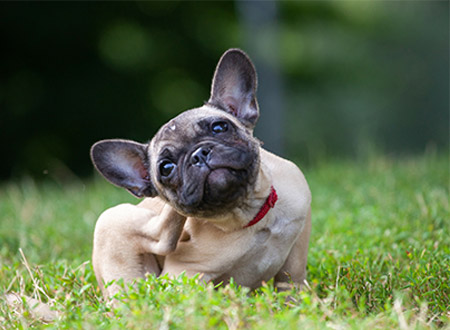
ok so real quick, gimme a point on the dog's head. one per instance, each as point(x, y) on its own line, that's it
point(205, 161)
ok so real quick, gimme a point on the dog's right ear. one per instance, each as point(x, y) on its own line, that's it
point(124, 163)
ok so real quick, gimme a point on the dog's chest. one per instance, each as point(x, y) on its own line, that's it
point(249, 256)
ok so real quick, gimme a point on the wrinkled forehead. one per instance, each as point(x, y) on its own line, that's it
point(188, 124)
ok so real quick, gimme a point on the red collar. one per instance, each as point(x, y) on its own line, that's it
point(268, 204)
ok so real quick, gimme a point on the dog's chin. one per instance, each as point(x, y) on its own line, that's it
point(223, 186)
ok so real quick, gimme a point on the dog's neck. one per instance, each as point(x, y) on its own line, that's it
point(241, 216)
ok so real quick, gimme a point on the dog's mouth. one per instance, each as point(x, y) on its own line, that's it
point(218, 185)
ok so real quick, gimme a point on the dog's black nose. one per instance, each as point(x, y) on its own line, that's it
point(200, 156)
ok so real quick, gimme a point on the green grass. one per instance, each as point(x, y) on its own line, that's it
point(379, 257)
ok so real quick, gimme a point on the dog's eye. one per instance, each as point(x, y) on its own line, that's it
point(219, 127)
point(166, 167)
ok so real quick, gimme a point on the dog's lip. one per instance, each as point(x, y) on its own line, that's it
point(215, 158)
point(214, 164)
point(232, 170)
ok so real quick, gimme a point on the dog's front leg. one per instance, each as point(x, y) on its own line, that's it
point(127, 239)
point(293, 271)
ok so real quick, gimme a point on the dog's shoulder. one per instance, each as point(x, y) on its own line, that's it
point(289, 181)
point(285, 171)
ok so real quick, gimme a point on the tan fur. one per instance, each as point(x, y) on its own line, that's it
point(198, 226)
point(130, 241)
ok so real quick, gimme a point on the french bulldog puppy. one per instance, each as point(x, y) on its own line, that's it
point(215, 202)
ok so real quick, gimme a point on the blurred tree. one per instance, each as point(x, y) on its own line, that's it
point(365, 74)
point(73, 73)
point(260, 26)
point(354, 74)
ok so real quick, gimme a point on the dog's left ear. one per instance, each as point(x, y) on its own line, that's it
point(234, 87)
point(124, 163)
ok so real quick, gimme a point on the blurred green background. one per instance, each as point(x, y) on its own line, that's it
point(337, 78)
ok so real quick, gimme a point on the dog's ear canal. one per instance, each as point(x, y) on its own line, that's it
point(234, 87)
point(125, 164)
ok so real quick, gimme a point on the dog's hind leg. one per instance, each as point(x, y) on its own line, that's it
point(128, 243)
